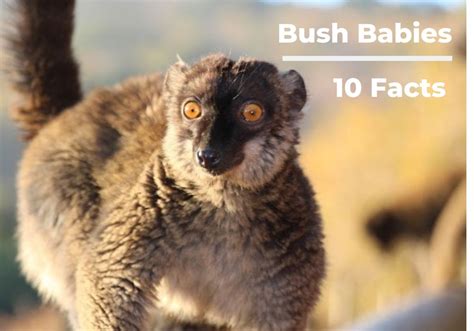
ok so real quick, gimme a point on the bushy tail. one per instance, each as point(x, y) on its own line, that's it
point(43, 67)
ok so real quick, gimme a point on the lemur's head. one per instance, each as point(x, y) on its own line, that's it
point(231, 120)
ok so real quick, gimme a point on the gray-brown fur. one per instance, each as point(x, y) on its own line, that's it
point(117, 219)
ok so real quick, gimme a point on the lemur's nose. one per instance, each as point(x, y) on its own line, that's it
point(208, 158)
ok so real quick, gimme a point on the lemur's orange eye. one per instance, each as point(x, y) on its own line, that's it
point(192, 110)
point(252, 112)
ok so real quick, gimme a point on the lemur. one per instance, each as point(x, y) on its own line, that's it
point(179, 191)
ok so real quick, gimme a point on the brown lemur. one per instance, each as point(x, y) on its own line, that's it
point(180, 192)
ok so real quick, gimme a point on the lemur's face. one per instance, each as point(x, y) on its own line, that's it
point(231, 120)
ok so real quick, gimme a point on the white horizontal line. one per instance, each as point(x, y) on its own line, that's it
point(367, 58)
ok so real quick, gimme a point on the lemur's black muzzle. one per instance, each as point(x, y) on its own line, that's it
point(208, 158)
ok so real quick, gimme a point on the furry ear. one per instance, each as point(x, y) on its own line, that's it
point(179, 67)
point(176, 73)
point(295, 89)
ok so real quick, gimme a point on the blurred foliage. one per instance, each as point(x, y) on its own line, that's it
point(365, 157)
point(360, 153)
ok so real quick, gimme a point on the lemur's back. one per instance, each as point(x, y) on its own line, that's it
point(74, 168)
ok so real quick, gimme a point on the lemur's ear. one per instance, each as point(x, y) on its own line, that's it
point(176, 73)
point(179, 67)
point(295, 89)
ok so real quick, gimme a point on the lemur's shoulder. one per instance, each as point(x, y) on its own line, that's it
point(130, 123)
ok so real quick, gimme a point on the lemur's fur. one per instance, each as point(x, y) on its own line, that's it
point(116, 216)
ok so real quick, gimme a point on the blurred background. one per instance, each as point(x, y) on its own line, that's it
point(389, 173)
